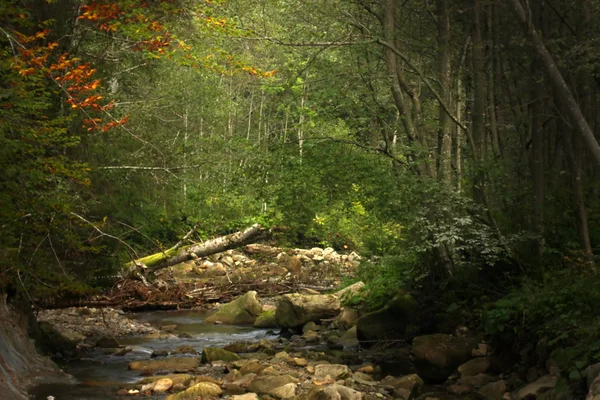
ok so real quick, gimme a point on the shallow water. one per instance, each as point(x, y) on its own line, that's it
point(99, 374)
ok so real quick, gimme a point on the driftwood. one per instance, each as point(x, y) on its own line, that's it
point(177, 254)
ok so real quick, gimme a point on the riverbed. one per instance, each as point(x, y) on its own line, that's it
point(99, 373)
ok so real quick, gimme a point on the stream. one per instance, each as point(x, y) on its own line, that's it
point(99, 374)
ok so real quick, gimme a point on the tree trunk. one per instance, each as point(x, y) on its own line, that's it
point(444, 142)
point(176, 255)
point(478, 104)
point(565, 97)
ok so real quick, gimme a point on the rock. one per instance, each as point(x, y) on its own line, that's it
point(349, 339)
point(176, 379)
point(494, 390)
point(106, 342)
point(251, 367)
point(363, 379)
point(459, 390)
point(311, 337)
point(334, 392)
point(347, 293)
point(167, 364)
point(295, 310)
point(159, 353)
point(367, 369)
point(474, 367)
point(202, 390)
point(162, 385)
point(476, 381)
point(591, 373)
point(284, 392)
point(266, 319)
point(346, 319)
point(388, 323)
point(247, 396)
point(242, 310)
point(297, 362)
point(482, 350)
point(308, 291)
point(330, 373)
point(184, 349)
point(168, 328)
point(210, 354)
point(60, 340)
point(310, 326)
point(216, 269)
point(437, 356)
point(534, 389)
point(594, 391)
point(274, 385)
point(406, 387)
point(233, 389)
point(185, 335)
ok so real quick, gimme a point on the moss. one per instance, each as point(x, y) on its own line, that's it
point(266, 320)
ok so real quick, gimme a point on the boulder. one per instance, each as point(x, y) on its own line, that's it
point(167, 364)
point(274, 385)
point(266, 319)
point(295, 310)
point(592, 373)
point(334, 392)
point(476, 381)
point(437, 356)
point(199, 390)
point(406, 387)
point(60, 340)
point(388, 323)
point(534, 389)
point(242, 310)
point(210, 354)
point(474, 367)
point(494, 390)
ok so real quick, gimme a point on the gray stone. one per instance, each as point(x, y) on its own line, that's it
point(295, 310)
point(437, 356)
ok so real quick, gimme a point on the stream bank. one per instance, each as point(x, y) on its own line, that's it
point(297, 343)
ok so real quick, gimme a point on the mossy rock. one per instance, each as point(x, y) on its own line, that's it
point(388, 323)
point(199, 390)
point(167, 364)
point(242, 310)
point(210, 354)
point(266, 320)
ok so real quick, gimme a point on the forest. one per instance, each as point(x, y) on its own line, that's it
point(453, 144)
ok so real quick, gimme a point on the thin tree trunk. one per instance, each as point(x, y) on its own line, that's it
point(444, 139)
point(565, 97)
point(478, 113)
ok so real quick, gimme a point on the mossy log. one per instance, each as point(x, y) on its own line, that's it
point(176, 255)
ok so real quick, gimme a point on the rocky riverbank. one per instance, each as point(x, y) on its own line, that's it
point(320, 347)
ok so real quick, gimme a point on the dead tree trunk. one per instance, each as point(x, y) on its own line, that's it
point(176, 255)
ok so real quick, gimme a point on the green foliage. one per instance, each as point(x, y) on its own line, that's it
point(558, 313)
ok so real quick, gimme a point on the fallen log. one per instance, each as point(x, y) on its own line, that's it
point(177, 254)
